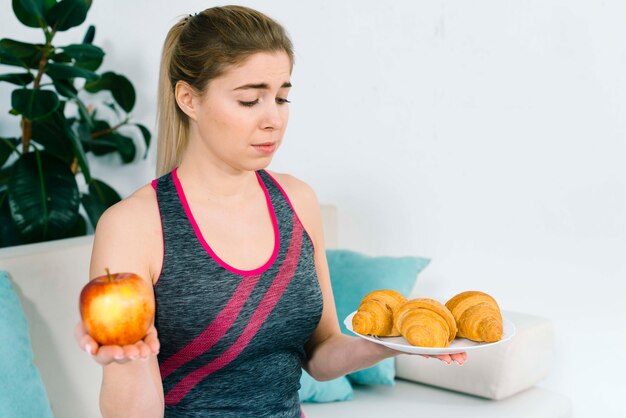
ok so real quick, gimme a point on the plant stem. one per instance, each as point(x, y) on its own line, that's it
point(27, 125)
point(74, 166)
point(107, 131)
point(27, 130)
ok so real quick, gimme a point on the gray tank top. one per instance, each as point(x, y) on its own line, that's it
point(232, 341)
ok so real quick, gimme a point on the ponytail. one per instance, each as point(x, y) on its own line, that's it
point(172, 128)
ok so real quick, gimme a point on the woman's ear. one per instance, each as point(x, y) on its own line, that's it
point(185, 95)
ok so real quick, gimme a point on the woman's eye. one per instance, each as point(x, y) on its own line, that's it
point(281, 100)
point(248, 104)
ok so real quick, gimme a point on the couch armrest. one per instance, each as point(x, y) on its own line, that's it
point(48, 278)
point(496, 372)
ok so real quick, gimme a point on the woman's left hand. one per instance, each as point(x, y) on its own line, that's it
point(458, 358)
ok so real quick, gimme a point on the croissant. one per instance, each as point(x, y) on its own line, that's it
point(425, 322)
point(477, 315)
point(375, 313)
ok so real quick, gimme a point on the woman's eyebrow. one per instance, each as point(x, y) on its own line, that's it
point(261, 86)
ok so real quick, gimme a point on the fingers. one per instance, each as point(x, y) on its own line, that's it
point(108, 354)
point(84, 340)
point(152, 340)
point(445, 358)
point(458, 358)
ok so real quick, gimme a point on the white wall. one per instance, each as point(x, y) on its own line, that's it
point(489, 136)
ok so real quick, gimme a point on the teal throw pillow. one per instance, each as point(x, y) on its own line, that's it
point(383, 373)
point(330, 391)
point(354, 275)
point(22, 393)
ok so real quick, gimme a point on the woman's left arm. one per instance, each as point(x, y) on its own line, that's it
point(331, 354)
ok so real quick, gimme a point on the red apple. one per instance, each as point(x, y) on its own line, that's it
point(117, 309)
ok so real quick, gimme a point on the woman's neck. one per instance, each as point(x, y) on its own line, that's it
point(206, 181)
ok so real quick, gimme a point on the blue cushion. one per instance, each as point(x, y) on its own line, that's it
point(22, 393)
point(383, 373)
point(354, 275)
point(330, 391)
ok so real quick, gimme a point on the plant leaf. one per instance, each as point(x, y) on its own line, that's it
point(7, 58)
point(105, 82)
point(79, 153)
point(126, 147)
point(86, 56)
point(18, 53)
point(65, 88)
point(89, 35)
point(101, 145)
point(147, 136)
point(79, 228)
point(67, 14)
point(8, 234)
point(58, 138)
point(50, 133)
point(5, 173)
point(114, 108)
point(64, 72)
point(43, 197)
point(84, 113)
point(21, 79)
point(6, 149)
point(34, 104)
point(29, 12)
point(100, 197)
point(121, 88)
point(61, 57)
point(124, 93)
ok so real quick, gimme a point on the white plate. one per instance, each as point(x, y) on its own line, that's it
point(456, 346)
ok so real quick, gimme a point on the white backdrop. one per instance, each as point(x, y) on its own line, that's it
point(489, 136)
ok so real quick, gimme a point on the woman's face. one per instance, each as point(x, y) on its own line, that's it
point(242, 117)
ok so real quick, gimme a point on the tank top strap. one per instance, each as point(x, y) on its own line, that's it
point(178, 234)
point(284, 209)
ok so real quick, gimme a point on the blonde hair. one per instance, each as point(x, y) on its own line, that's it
point(198, 49)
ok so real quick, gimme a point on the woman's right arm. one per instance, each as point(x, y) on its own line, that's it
point(128, 239)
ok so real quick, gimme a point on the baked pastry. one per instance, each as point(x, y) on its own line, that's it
point(477, 316)
point(425, 322)
point(375, 313)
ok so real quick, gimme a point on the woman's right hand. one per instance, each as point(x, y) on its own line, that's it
point(107, 354)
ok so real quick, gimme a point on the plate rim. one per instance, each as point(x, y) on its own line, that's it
point(414, 349)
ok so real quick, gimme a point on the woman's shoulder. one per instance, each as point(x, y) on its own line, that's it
point(298, 192)
point(303, 200)
point(136, 210)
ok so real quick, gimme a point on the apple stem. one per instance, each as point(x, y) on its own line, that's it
point(108, 274)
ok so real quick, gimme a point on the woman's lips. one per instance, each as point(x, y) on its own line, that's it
point(265, 148)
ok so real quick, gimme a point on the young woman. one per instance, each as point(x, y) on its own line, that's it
point(235, 253)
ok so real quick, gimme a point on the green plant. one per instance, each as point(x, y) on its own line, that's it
point(40, 197)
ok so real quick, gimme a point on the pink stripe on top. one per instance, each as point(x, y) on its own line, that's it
point(216, 330)
point(271, 298)
point(207, 247)
point(290, 204)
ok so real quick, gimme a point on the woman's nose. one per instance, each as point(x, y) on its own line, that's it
point(273, 117)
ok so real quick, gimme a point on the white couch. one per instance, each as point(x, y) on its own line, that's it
point(48, 278)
